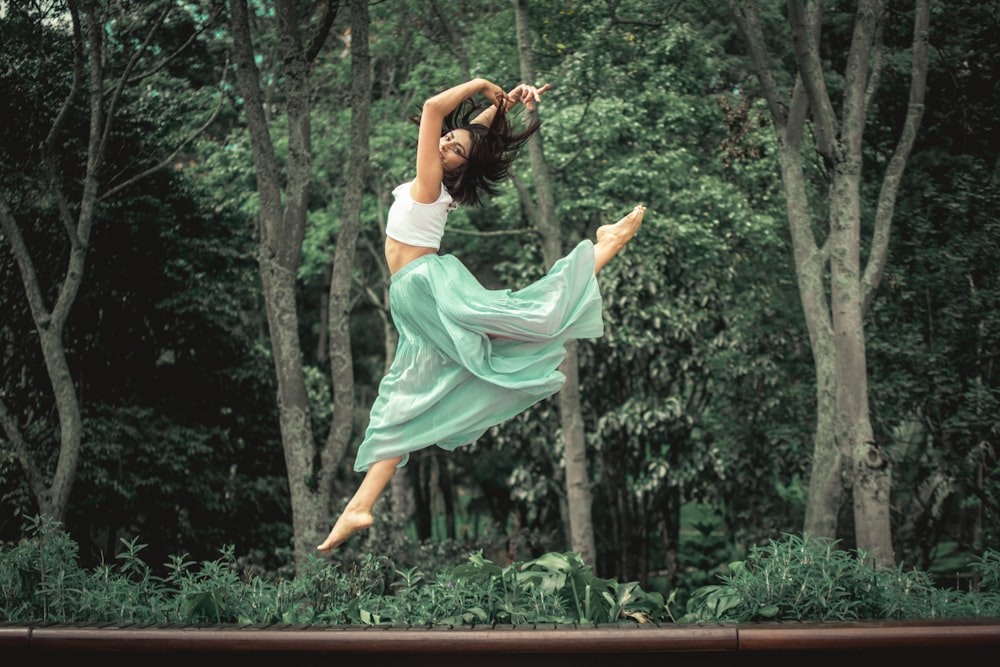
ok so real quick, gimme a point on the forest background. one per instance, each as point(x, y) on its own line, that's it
point(163, 232)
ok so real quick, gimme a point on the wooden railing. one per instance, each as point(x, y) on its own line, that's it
point(950, 643)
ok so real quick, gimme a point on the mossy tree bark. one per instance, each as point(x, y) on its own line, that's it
point(836, 283)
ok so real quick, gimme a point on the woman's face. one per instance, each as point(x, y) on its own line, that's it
point(454, 147)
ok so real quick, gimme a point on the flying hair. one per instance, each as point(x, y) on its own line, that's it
point(492, 151)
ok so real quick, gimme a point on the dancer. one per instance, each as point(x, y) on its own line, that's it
point(467, 358)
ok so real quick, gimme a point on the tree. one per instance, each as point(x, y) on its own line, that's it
point(541, 210)
point(112, 53)
point(836, 288)
point(284, 205)
point(356, 175)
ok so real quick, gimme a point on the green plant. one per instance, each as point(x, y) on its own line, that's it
point(202, 596)
point(986, 594)
point(561, 584)
point(129, 594)
point(703, 550)
point(808, 578)
point(349, 593)
point(797, 578)
point(506, 595)
point(39, 577)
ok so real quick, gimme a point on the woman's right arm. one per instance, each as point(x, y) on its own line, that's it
point(426, 186)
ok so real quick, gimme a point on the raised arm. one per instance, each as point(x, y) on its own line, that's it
point(524, 93)
point(426, 186)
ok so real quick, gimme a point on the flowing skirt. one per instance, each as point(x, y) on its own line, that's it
point(469, 358)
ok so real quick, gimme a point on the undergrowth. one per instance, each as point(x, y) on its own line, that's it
point(40, 581)
point(803, 578)
point(797, 578)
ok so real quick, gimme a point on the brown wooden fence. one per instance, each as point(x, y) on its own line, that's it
point(947, 643)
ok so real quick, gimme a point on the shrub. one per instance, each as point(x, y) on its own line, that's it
point(40, 576)
point(797, 578)
point(808, 578)
point(40, 581)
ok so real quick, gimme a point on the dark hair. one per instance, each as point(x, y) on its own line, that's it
point(491, 153)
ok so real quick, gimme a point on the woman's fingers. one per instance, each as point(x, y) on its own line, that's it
point(502, 99)
point(527, 94)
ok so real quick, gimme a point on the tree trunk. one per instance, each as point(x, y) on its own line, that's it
point(423, 477)
point(872, 472)
point(282, 227)
point(356, 172)
point(670, 537)
point(77, 218)
point(50, 496)
point(447, 498)
point(543, 213)
point(836, 329)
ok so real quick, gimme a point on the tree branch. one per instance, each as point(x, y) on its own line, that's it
point(170, 158)
point(856, 75)
point(805, 25)
point(116, 92)
point(753, 37)
point(878, 62)
point(323, 32)
point(177, 52)
point(894, 172)
point(13, 433)
point(524, 197)
point(48, 148)
point(25, 266)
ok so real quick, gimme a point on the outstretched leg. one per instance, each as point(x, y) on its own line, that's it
point(612, 238)
point(358, 513)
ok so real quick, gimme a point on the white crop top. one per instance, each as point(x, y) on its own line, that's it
point(418, 224)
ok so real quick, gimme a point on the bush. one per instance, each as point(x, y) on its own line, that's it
point(798, 578)
point(807, 578)
point(40, 581)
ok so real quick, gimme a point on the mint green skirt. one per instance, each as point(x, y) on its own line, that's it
point(469, 358)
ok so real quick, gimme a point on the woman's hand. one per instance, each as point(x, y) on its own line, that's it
point(526, 94)
point(494, 93)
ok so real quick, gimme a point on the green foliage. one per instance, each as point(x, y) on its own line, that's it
point(163, 341)
point(703, 547)
point(39, 575)
point(41, 581)
point(938, 393)
point(803, 578)
point(705, 371)
point(797, 578)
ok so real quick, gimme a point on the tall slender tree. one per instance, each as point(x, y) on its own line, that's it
point(112, 53)
point(356, 176)
point(541, 211)
point(835, 285)
point(284, 205)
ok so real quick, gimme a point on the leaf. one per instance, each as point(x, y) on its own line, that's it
point(770, 611)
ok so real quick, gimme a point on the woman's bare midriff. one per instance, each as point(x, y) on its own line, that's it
point(398, 254)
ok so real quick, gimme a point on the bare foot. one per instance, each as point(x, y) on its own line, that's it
point(349, 523)
point(612, 238)
point(358, 513)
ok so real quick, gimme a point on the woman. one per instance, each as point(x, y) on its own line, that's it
point(468, 358)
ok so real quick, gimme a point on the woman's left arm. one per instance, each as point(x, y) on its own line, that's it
point(525, 93)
